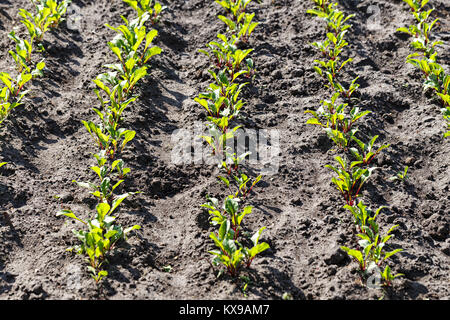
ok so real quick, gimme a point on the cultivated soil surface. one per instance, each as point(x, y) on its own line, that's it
point(46, 147)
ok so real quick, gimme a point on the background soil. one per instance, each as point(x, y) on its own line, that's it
point(47, 147)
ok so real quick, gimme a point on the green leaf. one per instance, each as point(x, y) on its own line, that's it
point(70, 214)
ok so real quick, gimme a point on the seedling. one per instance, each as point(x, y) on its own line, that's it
point(147, 7)
point(416, 5)
point(366, 152)
point(401, 175)
point(231, 253)
point(12, 94)
point(22, 56)
point(240, 24)
point(372, 245)
point(57, 10)
point(334, 18)
point(350, 179)
point(229, 211)
point(363, 216)
point(37, 25)
point(167, 269)
point(372, 252)
point(49, 14)
point(113, 140)
point(336, 121)
point(242, 181)
point(105, 188)
point(133, 41)
point(14, 86)
point(222, 97)
point(388, 277)
point(225, 54)
point(323, 8)
point(101, 237)
point(235, 7)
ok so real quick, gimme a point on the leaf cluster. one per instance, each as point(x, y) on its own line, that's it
point(372, 246)
point(240, 24)
point(153, 9)
point(102, 234)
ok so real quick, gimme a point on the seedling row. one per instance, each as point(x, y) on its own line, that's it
point(339, 117)
point(116, 91)
point(231, 66)
point(425, 56)
point(46, 16)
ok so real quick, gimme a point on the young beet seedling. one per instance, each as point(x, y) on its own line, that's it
point(101, 237)
point(8, 102)
point(12, 94)
point(373, 253)
point(222, 97)
point(57, 10)
point(231, 253)
point(350, 179)
point(146, 6)
point(48, 15)
point(229, 211)
point(336, 121)
point(240, 24)
point(241, 180)
point(105, 190)
point(363, 216)
point(226, 55)
point(22, 54)
point(366, 154)
point(133, 41)
point(401, 175)
point(373, 245)
point(113, 140)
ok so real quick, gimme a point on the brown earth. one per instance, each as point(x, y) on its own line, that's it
point(47, 147)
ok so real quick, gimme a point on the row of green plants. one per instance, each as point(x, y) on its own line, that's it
point(116, 90)
point(339, 117)
point(425, 53)
point(48, 14)
point(231, 66)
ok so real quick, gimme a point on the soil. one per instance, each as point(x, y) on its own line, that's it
point(47, 147)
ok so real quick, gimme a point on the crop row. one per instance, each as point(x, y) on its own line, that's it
point(230, 66)
point(115, 90)
point(425, 56)
point(47, 16)
point(339, 117)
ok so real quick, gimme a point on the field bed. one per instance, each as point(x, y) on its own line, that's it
point(47, 147)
